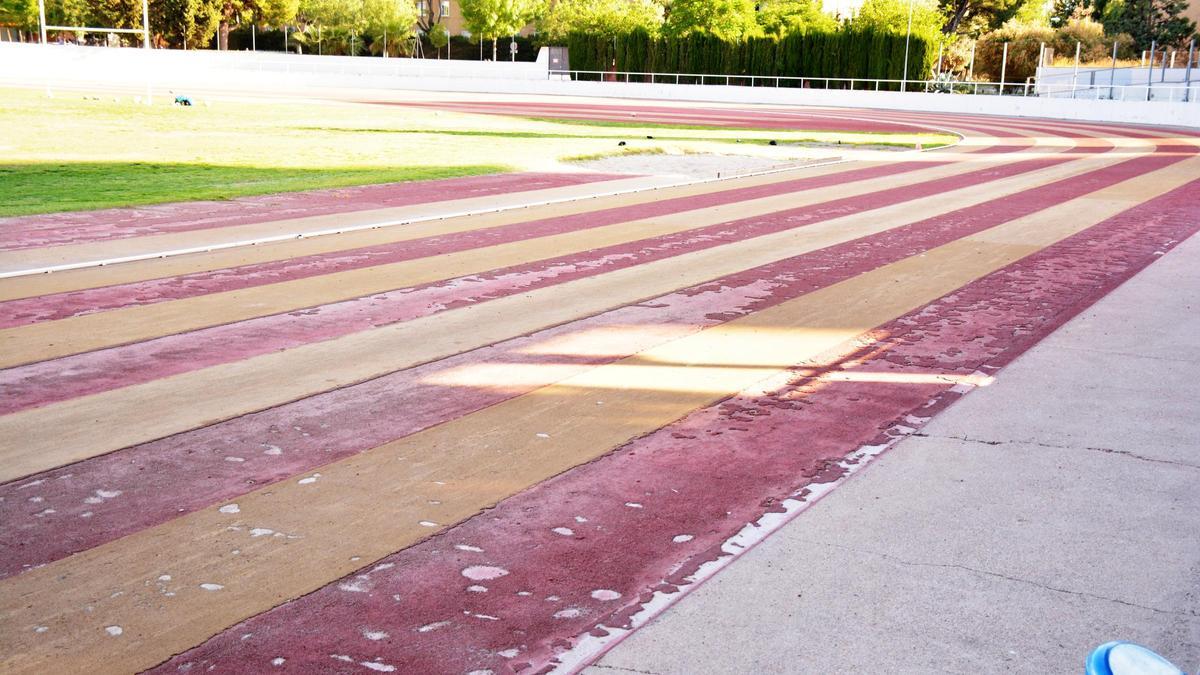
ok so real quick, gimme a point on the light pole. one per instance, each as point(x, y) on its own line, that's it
point(907, 37)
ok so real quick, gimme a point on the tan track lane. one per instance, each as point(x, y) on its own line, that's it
point(335, 523)
point(72, 280)
point(155, 243)
point(73, 335)
point(156, 268)
point(53, 435)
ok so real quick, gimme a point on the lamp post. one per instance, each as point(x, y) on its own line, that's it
point(907, 37)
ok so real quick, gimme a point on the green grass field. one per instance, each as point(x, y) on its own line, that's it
point(74, 151)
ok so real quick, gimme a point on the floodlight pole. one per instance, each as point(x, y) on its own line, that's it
point(907, 35)
point(42, 19)
point(145, 24)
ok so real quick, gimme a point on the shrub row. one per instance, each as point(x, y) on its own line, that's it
point(841, 53)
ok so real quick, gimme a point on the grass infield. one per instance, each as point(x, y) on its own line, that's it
point(74, 151)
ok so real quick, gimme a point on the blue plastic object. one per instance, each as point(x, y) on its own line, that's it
point(1127, 658)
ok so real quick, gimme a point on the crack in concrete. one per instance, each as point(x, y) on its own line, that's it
point(599, 666)
point(1039, 444)
point(1128, 355)
point(998, 575)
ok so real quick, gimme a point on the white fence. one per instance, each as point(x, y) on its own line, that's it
point(1122, 84)
point(160, 70)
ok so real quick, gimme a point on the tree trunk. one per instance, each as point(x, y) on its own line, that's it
point(960, 12)
point(223, 36)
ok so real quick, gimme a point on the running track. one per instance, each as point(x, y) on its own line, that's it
point(495, 443)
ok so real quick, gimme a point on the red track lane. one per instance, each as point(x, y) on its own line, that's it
point(60, 379)
point(150, 477)
point(55, 229)
point(75, 303)
point(693, 484)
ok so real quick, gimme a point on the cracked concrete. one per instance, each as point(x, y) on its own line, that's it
point(1112, 451)
point(1035, 519)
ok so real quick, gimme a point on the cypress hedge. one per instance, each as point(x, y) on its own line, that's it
point(842, 53)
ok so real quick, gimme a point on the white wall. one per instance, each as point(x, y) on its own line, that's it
point(259, 71)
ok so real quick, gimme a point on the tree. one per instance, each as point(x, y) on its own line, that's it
point(495, 18)
point(1148, 21)
point(975, 17)
point(891, 16)
point(390, 24)
point(439, 37)
point(606, 18)
point(781, 17)
point(184, 23)
point(20, 13)
point(330, 26)
point(725, 19)
point(270, 12)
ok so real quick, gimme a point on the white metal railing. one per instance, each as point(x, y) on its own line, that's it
point(1158, 91)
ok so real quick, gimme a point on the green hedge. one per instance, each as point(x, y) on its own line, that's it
point(841, 53)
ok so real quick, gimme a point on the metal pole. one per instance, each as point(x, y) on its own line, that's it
point(320, 47)
point(285, 48)
point(1187, 78)
point(385, 42)
point(1112, 74)
point(1163, 77)
point(907, 36)
point(42, 19)
point(1003, 68)
point(254, 37)
point(939, 65)
point(1150, 70)
point(971, 68)
point(145, 25)
point(1075, 75)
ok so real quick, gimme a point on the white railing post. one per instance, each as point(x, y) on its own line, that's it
point(1075, 75)
point(1003, 68)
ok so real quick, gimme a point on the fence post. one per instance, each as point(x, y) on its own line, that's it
point(1150, 70)
point(1112, 75)
point(1075, 75)
point(1187, 84)
point(1003, 68)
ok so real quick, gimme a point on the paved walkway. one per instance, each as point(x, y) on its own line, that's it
point(1040, 516)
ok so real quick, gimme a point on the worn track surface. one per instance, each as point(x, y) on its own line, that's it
point(493, 442)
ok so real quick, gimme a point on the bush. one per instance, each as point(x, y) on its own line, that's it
point(844, 52)
point(1024, 45)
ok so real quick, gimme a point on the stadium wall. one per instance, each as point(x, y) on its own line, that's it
point(164, 71)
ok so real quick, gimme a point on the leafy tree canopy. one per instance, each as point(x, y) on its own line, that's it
point(1147, 21)
point(725, 19)
point(893, 15)
point(605, 18)
point(780, 17)
point(490, 19)
point(975, 17)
